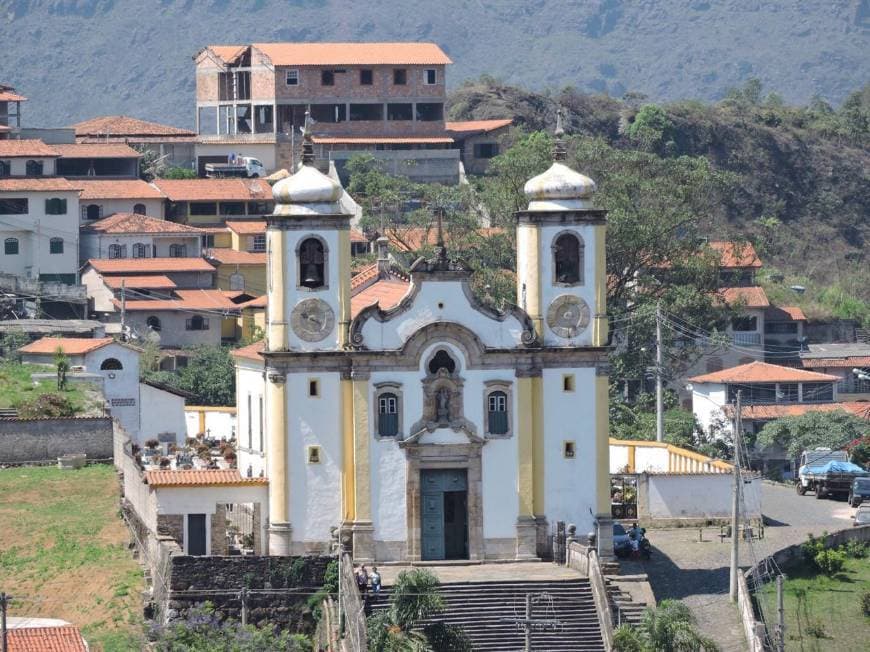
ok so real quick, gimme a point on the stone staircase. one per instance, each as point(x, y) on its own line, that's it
point(624, 609)
point(488, 613)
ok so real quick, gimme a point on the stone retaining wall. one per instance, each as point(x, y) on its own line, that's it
point(28, 441)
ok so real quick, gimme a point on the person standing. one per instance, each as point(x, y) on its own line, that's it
point(376, 580)
point(362, 580)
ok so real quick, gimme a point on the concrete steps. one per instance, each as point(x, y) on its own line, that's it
point(624, 609)
point(488, 613)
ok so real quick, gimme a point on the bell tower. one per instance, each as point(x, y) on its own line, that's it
point(561, 279)
point(308, 245)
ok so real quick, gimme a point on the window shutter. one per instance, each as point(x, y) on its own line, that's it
point(388, 425)
point(61, 206)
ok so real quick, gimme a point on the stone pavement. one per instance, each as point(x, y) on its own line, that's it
point(696, 571)
point(498, 572)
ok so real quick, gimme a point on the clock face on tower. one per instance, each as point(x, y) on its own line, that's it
point(312, 320)
point(568, 316)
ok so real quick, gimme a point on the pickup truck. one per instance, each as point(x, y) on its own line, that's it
point(825, 472)
point(236, 166)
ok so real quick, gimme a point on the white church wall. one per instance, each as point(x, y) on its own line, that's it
point(500, 499)
point(618, 458)
point(389, 483)
point(120, 386)
point(569, 483)
point(161, 411)
point(251, 452)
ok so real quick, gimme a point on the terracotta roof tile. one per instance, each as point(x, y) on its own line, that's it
point(225, 256)
point(190, 301)
point(351, 54)
point(215, 189)
point(762, 372)
point(364, 276)
point(122, 125)
point(748, 297)
point(149, 265)
point(358, 236)
point(97, 150)
point(227, 53)
point(736, 254)
point(117, 189)
point(388, 140)
point(784, 313)
point(848, 363)
point(466, 127)
point(154, 282)
point(769, 412)
point(60, 638)
point(251, 352)
point(9, 96)
point(38, 184)
point(386, 293)
point(15, 148)
point(135, 223)
point(70, 345)
point(200, 478)
point(249, 227)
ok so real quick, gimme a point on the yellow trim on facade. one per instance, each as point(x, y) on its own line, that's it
point(276, 334)
point(602, 444)
point(210, 408)
point(599, 334)
point(679, 458)
point(276, 404)
point(348, 479)
point(525, 447)
point(343, 286)
point(529, 250)
point(631, 459)
point(538, 444)
point(362, 457)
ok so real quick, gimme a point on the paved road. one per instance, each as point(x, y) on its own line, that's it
point(697, 571)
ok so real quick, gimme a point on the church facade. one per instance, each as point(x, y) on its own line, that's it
point(430, 426)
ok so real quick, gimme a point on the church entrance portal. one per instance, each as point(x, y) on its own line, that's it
point(444, 503)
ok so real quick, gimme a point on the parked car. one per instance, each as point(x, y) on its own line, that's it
point(859, 492)
point(862, 516)
point(621, 542)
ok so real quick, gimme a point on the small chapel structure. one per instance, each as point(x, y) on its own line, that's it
point(428, 426)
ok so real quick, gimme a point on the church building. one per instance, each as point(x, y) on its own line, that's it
point(420, 424)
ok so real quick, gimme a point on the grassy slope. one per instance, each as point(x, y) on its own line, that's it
point(63, 553)
point(832, 602)
point(17, 387)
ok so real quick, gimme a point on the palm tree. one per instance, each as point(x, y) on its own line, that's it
point(414, 598)
point(668, 628)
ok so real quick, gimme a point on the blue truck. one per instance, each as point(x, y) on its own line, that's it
point(827, 472)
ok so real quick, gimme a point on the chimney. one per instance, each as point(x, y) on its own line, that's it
point(383, 256)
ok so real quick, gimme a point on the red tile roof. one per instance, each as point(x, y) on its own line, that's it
point(251, 352)
point(117, 189)
point(388, 140)
point(748, 297)
point(149, 265)
point(250, 227)
point(154, 282)
point(60, 638)
point(190, 301)
point(466, 127)
point(259, 302)
point(769, 412)
point(762, 372)
point(122, 125)
point(386, 293)
point(38, 184)
point(9, 96)
point(227, 53)
point(214, 189)
point(135, 223)
point(349, 54)
point(358, 236)
point(225, 256)
point(364, 276)
point(70, 345)
point(97, 150)
point(736, 254)
point(15, 148)
point(784, 313)
point(200, 478)
point(847, 362)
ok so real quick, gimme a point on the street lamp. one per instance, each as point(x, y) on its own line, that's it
point(861, 373)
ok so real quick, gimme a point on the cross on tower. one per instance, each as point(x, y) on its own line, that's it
point(307, 142)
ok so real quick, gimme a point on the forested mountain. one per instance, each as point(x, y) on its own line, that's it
point(79, 58)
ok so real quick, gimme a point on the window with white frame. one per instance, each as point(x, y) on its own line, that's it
point(292, 78)
point(258, 242)
point(430, 76)
point(497, 404)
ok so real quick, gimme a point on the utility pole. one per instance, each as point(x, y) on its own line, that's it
point(4, 603)
point(124, 309)
point(527, 625)
point(780, 616)
point(660, 408)
point(735, 508)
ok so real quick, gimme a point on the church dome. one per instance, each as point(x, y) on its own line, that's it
point(559, 188)
point(307, 192)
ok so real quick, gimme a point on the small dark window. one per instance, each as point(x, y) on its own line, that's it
point(366, 77)
point(788, 393)
point(312, 263)
point(10, 246)
point(117, 251)
point(197, 323)
point(430, 111)
point(327, 78)
point(93, 212)
point(203, 208)
point(55, 206)
point(34, 168)
point(177, 251)
point(139, 209)
point(55, 246)
point(486, 150)
point(388, 415)
point(232, 208)
point(14, 206)
point(111, 364)
point(401, 111)
point(497, 413)
point(366, 112)
point(430, 76)
point(743, 324)
point(568, 383)
point(400, 76)
point(442, 360)
point(329, 112)
point(140, 250)
point(292, 78)
point(568, 255)
point(153, 323)
point(313, 388)
point(258, 242)
point(5, 168)
point(815, 392)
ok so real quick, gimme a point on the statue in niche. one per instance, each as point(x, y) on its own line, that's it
point(443, 405)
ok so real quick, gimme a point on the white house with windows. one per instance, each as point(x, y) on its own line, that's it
point(39, 228)
point(130, 235)
point(103, 197)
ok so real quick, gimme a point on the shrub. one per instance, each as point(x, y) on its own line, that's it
point(855, 549)
point(46, 405)
point(865, 603)
point(830, 562)
point(816, 629)
point(152, 443)
point(813, 546)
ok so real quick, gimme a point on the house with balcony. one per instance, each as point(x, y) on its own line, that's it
point(478, 141)
point(850, 362)
point(211, 202)
point(386, 99)
point(172, 145)
point(102, 160)
point(103, 197)
point(130, 235)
